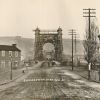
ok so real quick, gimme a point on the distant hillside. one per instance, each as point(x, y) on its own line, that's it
point(67, 46)
point(27, 45)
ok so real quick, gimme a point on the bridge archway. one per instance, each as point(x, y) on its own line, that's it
point(48, 36)
point(48, 51)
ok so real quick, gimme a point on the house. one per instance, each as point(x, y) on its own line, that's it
point(10, 56)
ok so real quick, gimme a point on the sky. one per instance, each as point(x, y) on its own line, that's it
point(20, 17)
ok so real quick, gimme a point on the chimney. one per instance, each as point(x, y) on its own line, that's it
point(14, 45)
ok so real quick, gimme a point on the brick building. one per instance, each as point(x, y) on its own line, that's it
point(9, 55)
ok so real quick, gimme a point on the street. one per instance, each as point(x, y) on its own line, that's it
point(50, 84)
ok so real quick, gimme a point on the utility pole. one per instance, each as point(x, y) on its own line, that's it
point(89, 13)
point(72, 31)
point(75, 44)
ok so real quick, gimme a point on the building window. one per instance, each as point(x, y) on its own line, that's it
point(10, 53)
point(2, 64)
point(3, 53)
point(16, 53)
point(9, 63)
point(99, 50)
point(16, 63)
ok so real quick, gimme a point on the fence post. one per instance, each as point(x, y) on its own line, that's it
point(89, 69)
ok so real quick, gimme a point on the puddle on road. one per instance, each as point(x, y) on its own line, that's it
point(80, 81)
point(74, 85)
point(9, 92)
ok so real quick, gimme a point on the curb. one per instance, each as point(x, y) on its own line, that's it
point(86, 77)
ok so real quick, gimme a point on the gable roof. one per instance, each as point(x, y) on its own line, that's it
point(9, 48)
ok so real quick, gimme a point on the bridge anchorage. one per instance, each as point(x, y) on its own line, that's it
point(48, 45)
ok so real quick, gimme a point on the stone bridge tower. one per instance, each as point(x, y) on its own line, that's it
point(48, 36)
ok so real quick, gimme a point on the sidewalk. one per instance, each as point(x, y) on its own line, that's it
point(5, 76)
point(83, 72)
point(81, 79)
point(18, 79)
point(14, 82)
point(78, 70)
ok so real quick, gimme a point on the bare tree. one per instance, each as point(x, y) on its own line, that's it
point(90, 44)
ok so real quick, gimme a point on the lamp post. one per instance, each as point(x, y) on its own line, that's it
point(11, 67)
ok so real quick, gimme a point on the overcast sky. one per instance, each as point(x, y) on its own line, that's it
point(20, 17)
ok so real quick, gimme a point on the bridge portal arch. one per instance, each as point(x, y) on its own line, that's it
point(48, 36)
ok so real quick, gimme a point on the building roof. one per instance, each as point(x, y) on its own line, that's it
point(9, 48)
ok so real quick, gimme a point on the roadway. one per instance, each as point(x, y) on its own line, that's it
point(49, 84)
